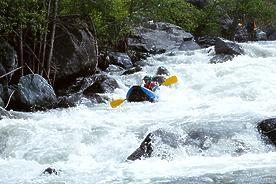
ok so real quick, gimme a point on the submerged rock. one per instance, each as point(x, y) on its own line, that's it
point(160, 143)
point(50, 171)
point(144, 150)
point(221, 58)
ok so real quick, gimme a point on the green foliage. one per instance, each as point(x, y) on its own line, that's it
point(109, 17)
point(21, 14)
point(173, 11)
point(263, 11)
point(114, 18)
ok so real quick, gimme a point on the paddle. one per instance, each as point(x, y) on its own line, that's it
point(169, 81)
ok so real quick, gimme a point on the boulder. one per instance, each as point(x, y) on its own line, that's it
point(206, 41)
point(88, 86)
point(160, 37)
point(75, 49)
point(100, 83)
point(67, 101)
point(220, 58)
point(225, 51)
point(267, 128)
point(50, 171)
point(161, 70)
point(132, 70)
point(120, 59)
point(160, 139)
point(34, 91)
point(223, 46)
point(261, 35)
point(145, 149)
point(201, 139)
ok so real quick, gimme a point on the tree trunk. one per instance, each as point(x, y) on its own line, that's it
point(21, 50)
point(45, 37)
point(48, 63)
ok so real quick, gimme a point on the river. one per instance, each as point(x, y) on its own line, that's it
point(90, 143)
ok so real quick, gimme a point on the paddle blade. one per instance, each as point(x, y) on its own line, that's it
point(169, 81)
point(116, 103)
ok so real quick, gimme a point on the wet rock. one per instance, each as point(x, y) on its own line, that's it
point(132, 70)
point(50, 171)
point(144, 150)
point(162, 143)
point(120, 59)
point(220, 58)
point(206, 41)
point(260, 35)
point(240, 148)
point(103, 61)
point(225, 51)
point(101, 84)
point(98, 83)
point(161, 70)
point(201, 139)
point(188, 45)
point(267, 128)
point(34, 91)
point(227, 47)
point(67, 101)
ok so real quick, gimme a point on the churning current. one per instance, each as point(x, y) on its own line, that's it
point(90, 143)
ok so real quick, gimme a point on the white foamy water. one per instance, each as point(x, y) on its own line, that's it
point(90, 143)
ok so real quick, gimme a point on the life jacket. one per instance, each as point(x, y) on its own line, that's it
point(150, 85)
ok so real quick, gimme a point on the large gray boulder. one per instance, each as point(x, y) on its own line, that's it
point(160, 37)
point(75, 49)
point(34, 91)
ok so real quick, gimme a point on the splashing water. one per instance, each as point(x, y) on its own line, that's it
point(90, 143)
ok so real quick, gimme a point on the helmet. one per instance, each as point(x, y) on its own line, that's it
point(147, 79)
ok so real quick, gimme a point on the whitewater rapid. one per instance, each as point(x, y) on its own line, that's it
point(90, 143)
